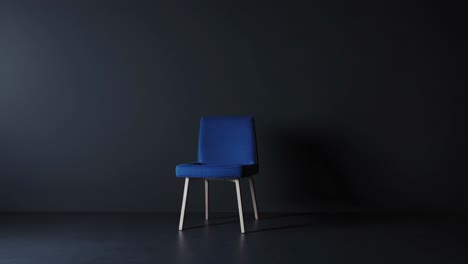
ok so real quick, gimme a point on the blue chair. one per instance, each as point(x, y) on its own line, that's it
point(227, 150)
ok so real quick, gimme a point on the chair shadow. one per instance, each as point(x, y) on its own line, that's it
point(234, 219)
point(289, 226)
point(216, 220)
point(330, 219)
point(286, 221)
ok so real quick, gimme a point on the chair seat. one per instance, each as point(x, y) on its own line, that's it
point(200, 170)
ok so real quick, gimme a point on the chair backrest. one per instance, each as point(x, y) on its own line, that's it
point(227, 140)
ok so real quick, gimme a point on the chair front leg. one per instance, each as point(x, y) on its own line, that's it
point(239, 204)
point(184, 202)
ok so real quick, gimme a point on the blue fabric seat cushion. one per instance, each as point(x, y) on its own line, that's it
point(200, 170)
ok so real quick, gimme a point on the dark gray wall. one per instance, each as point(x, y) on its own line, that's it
point(356, 103)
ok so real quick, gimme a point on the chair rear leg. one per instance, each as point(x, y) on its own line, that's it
point(206, 200)
point(239, 204)
point(184, 202)
point(254, 199)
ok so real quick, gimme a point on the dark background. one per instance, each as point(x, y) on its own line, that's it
point(358, 104)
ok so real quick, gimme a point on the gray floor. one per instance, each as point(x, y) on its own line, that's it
point(277, 238)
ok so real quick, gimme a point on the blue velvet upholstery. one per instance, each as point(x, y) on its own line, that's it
point(227, 148)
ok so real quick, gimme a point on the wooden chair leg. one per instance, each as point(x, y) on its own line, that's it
point(239, 204)
point(184, 202)
point(254, 199)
